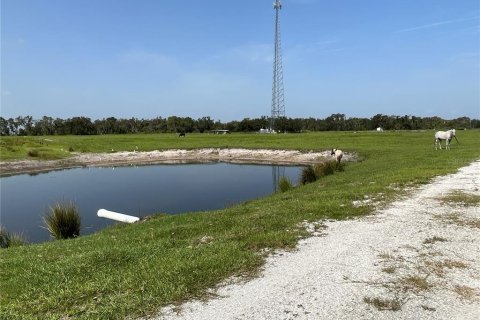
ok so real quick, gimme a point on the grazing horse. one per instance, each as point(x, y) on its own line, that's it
point(444, 135)
point(181, 135)
point(338, 154)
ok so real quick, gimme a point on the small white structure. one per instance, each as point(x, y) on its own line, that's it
point(220, 131)
point(117, 216)
point(379, 129)
point(266, 131)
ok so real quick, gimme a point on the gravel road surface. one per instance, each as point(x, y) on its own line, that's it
point(418, 258)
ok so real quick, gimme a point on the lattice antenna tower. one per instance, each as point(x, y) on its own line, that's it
point(278, 101)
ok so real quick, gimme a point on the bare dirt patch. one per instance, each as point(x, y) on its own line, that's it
point(170, 157)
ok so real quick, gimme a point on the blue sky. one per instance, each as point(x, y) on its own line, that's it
point(149, 58)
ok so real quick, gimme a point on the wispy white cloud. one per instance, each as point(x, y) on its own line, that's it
point(437, 24)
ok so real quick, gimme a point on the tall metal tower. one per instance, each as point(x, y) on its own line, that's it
point(278, 103)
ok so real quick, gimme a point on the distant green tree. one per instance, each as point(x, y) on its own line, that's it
point(336, 122)
point(60, 126)
point(233, 126)
point(156, 125)
point(26, 125)
point(80, 126)
point(204, 124)
point(45, 126)
point(12, 126)
point(4, 129)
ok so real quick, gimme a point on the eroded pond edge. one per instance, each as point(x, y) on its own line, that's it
point(174, 156)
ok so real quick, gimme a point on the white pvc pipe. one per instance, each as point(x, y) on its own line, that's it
point(117, 216)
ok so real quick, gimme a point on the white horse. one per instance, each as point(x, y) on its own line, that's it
point(444, 135)
point(338, 154)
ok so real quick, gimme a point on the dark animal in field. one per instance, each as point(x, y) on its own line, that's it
point(181, 135)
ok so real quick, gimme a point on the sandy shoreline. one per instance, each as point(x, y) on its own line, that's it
point(261, 156)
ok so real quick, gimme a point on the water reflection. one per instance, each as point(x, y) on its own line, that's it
point(277, 173)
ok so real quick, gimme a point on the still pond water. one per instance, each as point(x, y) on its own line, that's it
point(133, 190)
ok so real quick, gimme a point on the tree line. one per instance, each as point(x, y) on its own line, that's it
point(27, 126)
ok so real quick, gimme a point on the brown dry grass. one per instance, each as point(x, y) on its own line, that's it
point(460, 198)
point(384, 303)
point(465, 292)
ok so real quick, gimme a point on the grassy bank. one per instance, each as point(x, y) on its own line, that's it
point(132, 270)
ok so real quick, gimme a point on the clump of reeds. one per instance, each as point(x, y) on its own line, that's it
point(9, 239)
point(307, 175)
point(340, 166)
point(324, 168)
point(328, 167)
point(312, 173)
point(284, 184)
point(63, 221)
point(33, 153)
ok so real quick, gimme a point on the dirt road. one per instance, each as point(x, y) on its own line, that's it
point(419, 258)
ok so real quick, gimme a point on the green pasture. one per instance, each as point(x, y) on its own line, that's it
point(134, 270)
point(55, 147)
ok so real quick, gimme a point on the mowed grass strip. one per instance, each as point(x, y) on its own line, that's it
point(133, 270)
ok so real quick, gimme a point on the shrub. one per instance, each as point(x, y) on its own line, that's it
point(329, 167)
point(8, 239)
point(63, 221)
point(324, 168)
point(340, 166)
point(307, 175)
point(33, 153)
point(284, 184)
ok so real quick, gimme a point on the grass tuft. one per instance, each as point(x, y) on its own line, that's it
point(63, 221)
point(461, 198)
point(33, 153)
point(415, 283)
point(438, 267)
point(390, 269)
point(384, 304)
point(307, 175)
point(324, 168)
point(340, 166)
point(456, 218)
point(434, 239)
point(284, 184)
point(9, 239)
point(465, 292)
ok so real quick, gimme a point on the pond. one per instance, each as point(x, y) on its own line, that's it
point(133, 190)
